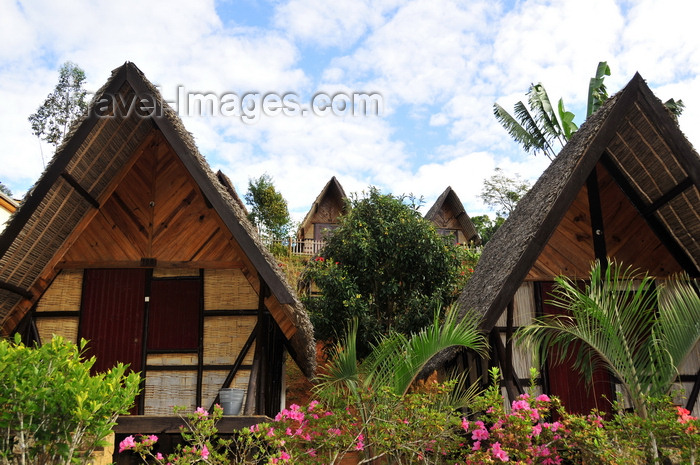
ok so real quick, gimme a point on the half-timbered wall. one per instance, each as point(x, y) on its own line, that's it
point(196, 330)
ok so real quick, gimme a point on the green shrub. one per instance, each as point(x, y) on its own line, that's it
point(52, 411)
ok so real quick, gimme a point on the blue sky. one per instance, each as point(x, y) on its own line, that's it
point(438, 66)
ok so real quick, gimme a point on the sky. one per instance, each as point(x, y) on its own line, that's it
point(433, 67)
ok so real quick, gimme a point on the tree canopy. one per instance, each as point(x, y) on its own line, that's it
point(386, 266)
point(62, 106)
point(502, 193)
point(268, 206)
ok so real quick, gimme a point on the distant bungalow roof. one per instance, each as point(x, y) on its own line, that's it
point(450, 198)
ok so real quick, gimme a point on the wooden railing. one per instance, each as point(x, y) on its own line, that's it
point(294, 246)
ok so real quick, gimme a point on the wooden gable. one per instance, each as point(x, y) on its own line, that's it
point(156, 212)
point(626, 236)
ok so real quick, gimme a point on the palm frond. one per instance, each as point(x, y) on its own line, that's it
point(544, 113)
point(597, 93)
point(430, 341)
point(532, 142)
point(341, 371)
point(609, 322)
point(678, 327)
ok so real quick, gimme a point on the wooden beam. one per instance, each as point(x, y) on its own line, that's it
point(596, 215)
point(693, 397)
point(80, 189)
point(139, 264)
point(16, 290)
point(237, 363)
point(674, 192)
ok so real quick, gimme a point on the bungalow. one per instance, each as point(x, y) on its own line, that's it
point(626, 186)
point(322, 216)
point(450, 219)
point(130, 241)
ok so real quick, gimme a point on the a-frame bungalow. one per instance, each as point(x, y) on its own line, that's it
point(450, 218)
point(626, 186)
point(130, 241)
point(322, 216)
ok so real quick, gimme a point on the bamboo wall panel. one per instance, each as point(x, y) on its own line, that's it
point(167, 389)
point(212, 382)
point(171, 359)
point(224, 337)
point(67, 327)
point(228, 290)
point(64, 294)
point(691, 363)
point(523, 306)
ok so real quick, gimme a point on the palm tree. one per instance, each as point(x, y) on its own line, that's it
point(396, 361)
point(639, 329)
point(393, 366)
point(542, 129)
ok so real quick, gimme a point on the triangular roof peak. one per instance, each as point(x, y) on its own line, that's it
point(124, 118)
point(333, 186)
point(450, 201)
point(635, 140)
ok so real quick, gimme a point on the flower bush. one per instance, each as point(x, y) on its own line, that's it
point(529, 434)
point(414, 429)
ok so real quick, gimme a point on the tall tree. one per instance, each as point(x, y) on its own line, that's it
point(544, 129)
point(62, 106)
point(502, 193)
point(268, 207)
point(384, 265)
point(5, 190)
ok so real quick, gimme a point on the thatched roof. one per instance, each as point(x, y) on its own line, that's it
point(449, 197)
point(332, 186)
point(89, 162)
point(637, 140)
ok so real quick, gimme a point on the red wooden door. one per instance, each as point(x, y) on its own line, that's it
point(569, 385)
point(111, 317)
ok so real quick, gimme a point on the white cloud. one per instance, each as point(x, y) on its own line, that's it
point(439, 68)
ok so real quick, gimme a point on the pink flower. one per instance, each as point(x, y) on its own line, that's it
point(201, 412)
point(205, 452)
point(543, 398)
point(465, 424)
point(285, 456)
point(477, 445)
point(127, 443)
point(313, 404)
point(499, 453)
point(536, 430)
point(481, 433)
point(159, 456)
point(271, 432)
point(360, 444)
point(520, 405)
point(311, 452)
